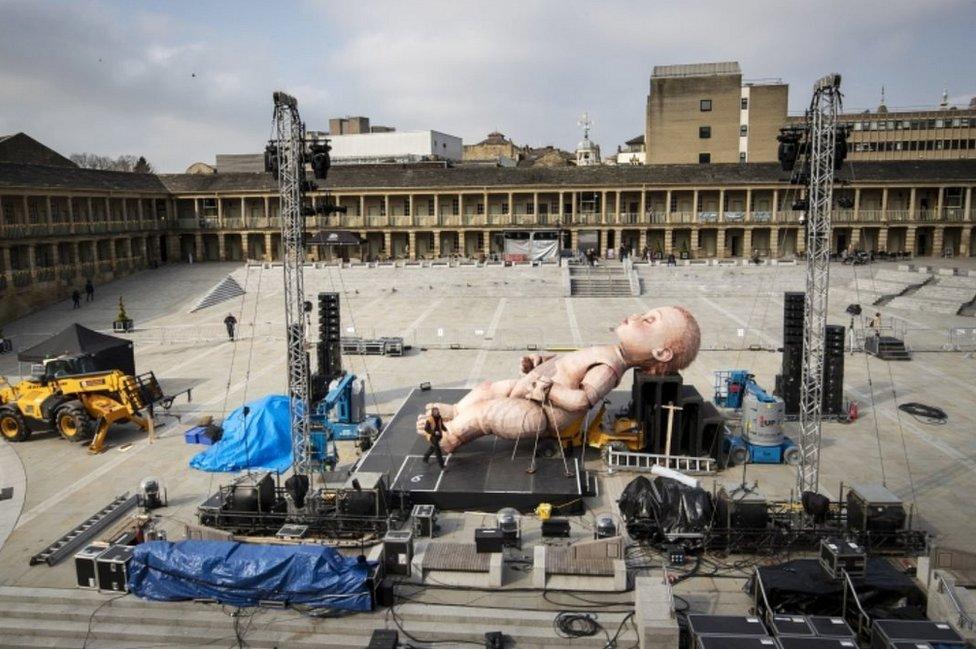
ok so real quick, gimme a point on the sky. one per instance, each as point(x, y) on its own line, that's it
point(180, 81)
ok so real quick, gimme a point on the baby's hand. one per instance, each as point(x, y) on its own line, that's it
point(540, 389)
point(529, 363)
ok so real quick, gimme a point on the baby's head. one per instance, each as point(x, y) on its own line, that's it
point(661, 341)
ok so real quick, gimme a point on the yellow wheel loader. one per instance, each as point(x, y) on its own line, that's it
point(78, 406)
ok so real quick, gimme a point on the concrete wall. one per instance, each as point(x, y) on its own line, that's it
point(767, 114)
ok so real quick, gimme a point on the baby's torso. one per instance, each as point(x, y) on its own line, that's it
point(569, 369)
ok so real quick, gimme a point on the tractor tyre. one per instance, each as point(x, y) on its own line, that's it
point(13, 426)
point(548, 448)
point(739, 455)
point(73, 422)
point(616, 446)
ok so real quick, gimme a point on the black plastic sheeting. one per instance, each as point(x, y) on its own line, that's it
point(802, 587)
point(655, 508)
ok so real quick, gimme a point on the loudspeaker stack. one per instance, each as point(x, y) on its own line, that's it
point(791, 376)
point(833, 385)
point(329, 351)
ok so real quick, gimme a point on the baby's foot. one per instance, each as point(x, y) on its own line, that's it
point(446, 410)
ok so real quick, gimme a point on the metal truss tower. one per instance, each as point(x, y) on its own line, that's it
point(822, 141)
point(288, 145)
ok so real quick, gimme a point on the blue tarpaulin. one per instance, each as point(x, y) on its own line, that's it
point(243, 574)
point(262, 440)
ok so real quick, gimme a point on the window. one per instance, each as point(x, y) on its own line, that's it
point(744, 103)
point(704, 132)
point(744, 130)
point(705, 105)
point(455, 206)
point(742, 156)
point(430, 208)
point(704, 158)
point(530, 208)
point(480, 208)
point(504, 208)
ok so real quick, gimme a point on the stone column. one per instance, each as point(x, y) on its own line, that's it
point(964, 237)
point(882, 243)
point(618, 239)
point(32, 260)
point(388, 243)
point(511, 206)
point(695, 243)
point(884, 205)
point(50, 213)
point(412, 243)
point(535, 206)
point(775, 204)
point(910, 238)
point(243, 206)
point(386, 207)
point(5, 259)
point(616, 211)
point(938, 213)
point(486, 210)
point(221, 247)
point(574, 239)
point(603, 206)
point(486, 242)
point(801, 239)
point(774, 242)
point(245, 253)
point(667, 207)
point(747, 243)
point(462, 249)
point(268, 253)
point(603, 242)
point(721, 205)
point(198, 247)
point(437, 208)
point(911, 207)
point(220, 211)
point(362, 206)
point(461, 207)
point(410, 206)
point(748, 205)
point(643, 205)
point(938, 240)
point(720, 243)
point(668, 241)
point(967, 214)
point(855, 238)
point(641, 242)
point(694, 206)
point(437, 244)
point(267, 212)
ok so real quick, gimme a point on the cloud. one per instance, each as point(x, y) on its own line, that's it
point(111, 77)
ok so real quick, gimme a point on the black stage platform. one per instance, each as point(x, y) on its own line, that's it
point(480, 475)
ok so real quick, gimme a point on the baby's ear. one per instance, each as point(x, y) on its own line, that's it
point(663, 355)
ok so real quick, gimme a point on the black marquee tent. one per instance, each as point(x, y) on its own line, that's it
point(106, 352)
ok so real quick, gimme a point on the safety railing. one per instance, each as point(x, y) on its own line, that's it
point(633, 461)
point(854, 613)
point(963, 619)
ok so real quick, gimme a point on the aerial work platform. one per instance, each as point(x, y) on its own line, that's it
point(480, 475)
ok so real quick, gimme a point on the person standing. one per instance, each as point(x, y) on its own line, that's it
point(231, 323)
point(89, 290)
point(435, 432)
point(875, 324)
point(76, 299)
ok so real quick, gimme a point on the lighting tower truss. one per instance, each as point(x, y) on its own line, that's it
point(287, 159)
point(821, 151)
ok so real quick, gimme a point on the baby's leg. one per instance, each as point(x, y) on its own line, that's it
point(505, 417)
point(483, 391)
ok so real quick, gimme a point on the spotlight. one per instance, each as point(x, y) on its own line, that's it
point(425, 386)
point(854, 309)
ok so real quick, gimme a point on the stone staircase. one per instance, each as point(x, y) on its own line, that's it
point(608, 280)
point(54, 617)
point(226, 289)
point(887, 348)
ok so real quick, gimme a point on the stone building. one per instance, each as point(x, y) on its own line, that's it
point(493, 147)
point(60, 224)
point(706, 113)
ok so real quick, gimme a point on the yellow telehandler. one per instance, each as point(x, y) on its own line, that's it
point(76, 405)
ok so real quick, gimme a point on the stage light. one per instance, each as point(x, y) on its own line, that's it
point(425, 386)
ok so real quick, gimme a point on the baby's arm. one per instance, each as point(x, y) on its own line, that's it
point(597, 383)
point(529, 363)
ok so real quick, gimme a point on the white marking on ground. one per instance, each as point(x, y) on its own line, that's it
point(479, 362)
point(921, 435)
point(420, 319)
point(61, 496)
point(573, 324)
point(731, 316)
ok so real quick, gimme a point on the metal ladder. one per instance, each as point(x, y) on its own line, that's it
point(644, 462)
point(57, 551)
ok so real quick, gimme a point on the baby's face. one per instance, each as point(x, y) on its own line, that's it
point(644, 336)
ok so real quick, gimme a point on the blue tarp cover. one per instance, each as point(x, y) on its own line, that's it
point(243, 574)
point(263, 441)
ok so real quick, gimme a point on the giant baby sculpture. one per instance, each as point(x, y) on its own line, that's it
point(555, 391)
